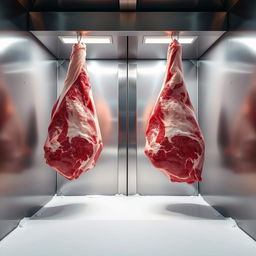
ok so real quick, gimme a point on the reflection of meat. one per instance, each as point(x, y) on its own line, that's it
point(241, 148)
point(174, 142)
point(105, 118)
point(74, 140)
point(146, 114)
point(13, 147)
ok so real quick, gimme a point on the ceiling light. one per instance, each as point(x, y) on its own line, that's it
point(87, 39)
point(168, 39)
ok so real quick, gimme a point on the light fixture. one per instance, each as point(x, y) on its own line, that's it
point(168, 39)
point(87, 39)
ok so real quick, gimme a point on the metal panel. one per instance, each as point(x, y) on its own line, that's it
point(27, 93)
point(74, 5)
point(178, 5)
point(150, 75)
point(139, 50)
point(115, 5)
point(13, 16)
point(132, 130)
point(227, 113)
point(128, 5)
point(136, 49)
point(128, 21)
point(116, 50)
point(122, 129)
point(242, 16)
point(103, 178)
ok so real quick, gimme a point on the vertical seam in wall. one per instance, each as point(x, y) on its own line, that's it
point(127, 117)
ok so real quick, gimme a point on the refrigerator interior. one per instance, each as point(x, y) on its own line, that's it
point(124, 206)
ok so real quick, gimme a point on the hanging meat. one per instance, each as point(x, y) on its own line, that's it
point(174, 142)
point(74, 140)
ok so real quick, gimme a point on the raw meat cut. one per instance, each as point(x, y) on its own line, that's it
point(74, 140)
point(174, 142)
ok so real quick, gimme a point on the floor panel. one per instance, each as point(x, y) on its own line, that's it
point(132, 226)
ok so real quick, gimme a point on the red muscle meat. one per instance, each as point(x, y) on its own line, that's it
point(174, 142)
point(74, 140)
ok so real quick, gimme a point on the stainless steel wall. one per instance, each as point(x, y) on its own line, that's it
point(13, 16)
point(143, 178)
point(103, 178)
point(227, 114)
point(27, 93)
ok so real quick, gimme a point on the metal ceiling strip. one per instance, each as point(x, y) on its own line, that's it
point(128, 5)
point(128, 21)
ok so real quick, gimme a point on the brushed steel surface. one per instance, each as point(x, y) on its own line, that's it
point(127, 5)
point(13, 16)
point(136, 49)
point(132, 130)
point(242, 16)
point(103, 178)
point(139, 50)
point(122, 129)
point(27, 93)
point(116, 50)
point(150, 75)
point(128, 21)
point(181, 5)
point(73, 5)
point(227, 96)
point(114, 5)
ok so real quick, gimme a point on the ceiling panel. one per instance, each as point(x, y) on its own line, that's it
point(116, 50)
point(180, 5)
point(114, 5)
point(204, 40)
point(74, 5)
point(136, 48)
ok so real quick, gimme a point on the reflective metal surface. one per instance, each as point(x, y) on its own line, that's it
point(136, 49)
point(122, 129)
point(27, 93)
point(13, 16)
point(227, 110)
point(139, 50)
point(72, 5)
point(142, 5)
point(103, 178)
point(132, 130)
point(116, 50)
point(150, 75)
point(128, 21)
point(242, 15)
point(128, 5)
point(181, 5)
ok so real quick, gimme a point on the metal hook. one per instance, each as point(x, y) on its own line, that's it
point(79, 37)
point(175, 36)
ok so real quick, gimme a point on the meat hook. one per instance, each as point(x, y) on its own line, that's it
point(79, 37)
point(175, 35)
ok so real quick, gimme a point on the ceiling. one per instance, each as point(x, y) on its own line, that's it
point(127, 44)
point(135, 5)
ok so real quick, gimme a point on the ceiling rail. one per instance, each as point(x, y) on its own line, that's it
point(128, 5)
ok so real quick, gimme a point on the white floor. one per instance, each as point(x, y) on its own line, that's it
point(127, 226)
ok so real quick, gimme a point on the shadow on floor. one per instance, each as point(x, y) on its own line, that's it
point(195, 210)
point(61, 212)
